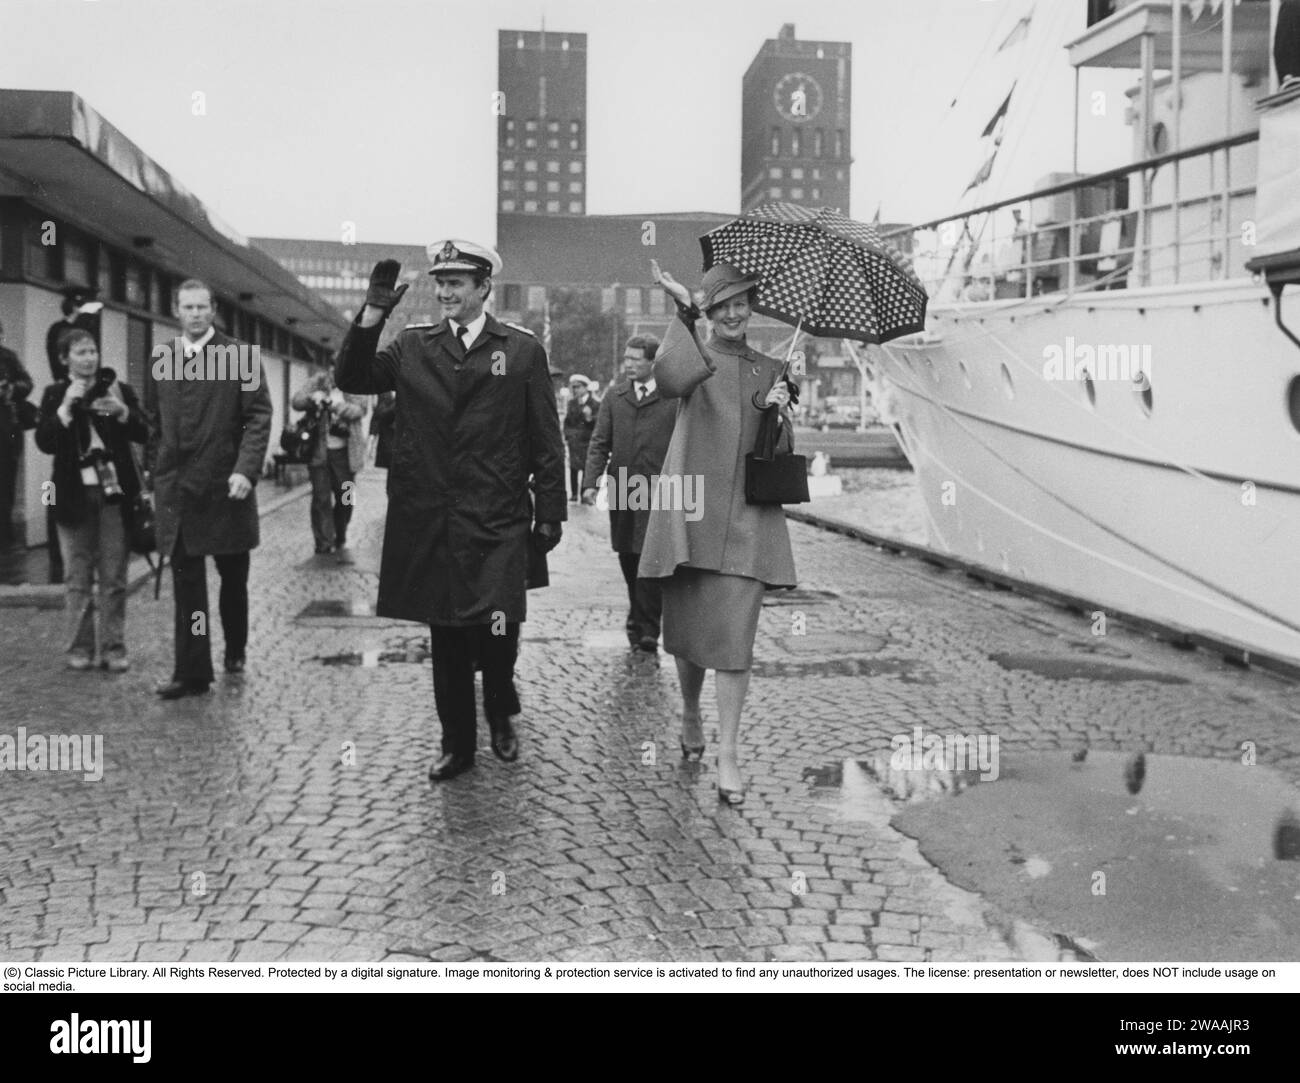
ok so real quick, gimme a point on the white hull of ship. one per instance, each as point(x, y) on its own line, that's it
point(1188, 516)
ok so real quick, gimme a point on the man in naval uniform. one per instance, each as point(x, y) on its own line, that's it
point(475, 422)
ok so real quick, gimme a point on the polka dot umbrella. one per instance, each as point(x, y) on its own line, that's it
point(823, 270)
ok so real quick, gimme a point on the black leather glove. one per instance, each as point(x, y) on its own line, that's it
point(383, 279)
point(546, 536)
point(794, 391)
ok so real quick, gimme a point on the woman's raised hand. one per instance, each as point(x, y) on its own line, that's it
point(671, 286)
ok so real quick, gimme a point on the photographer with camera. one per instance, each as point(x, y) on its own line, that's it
point(339, 451)
point(87, 422)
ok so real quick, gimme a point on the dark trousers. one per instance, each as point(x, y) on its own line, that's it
point(575, 479)
point(56, 554)
point(8, 486)
point(190, 586)
point(456, 652)
point(331, 504)
point(645, 600)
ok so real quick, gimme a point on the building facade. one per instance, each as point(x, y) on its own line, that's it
point(542, 122)
point(340, 274)
point(81, 205)
point(795, 123)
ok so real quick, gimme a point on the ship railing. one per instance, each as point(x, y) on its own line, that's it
point(1173, 218)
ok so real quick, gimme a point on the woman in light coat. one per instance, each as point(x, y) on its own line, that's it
point(716, 557)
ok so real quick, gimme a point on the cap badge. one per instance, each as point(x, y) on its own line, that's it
point(449, 251)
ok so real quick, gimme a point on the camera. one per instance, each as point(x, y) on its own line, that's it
point(106, 471)
point(104, 379)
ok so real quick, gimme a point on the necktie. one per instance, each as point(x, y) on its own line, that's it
point(462, 333)
point(640, 392)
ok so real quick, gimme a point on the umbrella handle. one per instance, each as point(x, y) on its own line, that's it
point(795, 338)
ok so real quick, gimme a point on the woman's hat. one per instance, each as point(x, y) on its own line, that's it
point(722, 282)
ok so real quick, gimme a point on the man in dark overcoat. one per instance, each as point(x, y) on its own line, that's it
point(633, 429)
point(475, 421)
point(208, 435)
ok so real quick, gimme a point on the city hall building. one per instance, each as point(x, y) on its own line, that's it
point(83, 206)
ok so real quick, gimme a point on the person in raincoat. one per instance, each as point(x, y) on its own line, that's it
point(716, 553)
point(207, 446)
point(475, 421)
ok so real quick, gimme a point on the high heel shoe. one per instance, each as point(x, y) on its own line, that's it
point(731, 798)
point(689, 750)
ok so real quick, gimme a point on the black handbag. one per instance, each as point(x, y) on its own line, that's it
point(772, 478)
point(298, 440)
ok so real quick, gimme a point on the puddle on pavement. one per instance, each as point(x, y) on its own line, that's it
point(833, 643)
point(908, 670)
point(1059, 668)
point(1186, 868)
point(371, 658)
point(798, 596)
point(336, 608)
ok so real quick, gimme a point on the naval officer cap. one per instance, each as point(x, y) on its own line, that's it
point(453, 256)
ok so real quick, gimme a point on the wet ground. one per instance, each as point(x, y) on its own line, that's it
point(287, 814)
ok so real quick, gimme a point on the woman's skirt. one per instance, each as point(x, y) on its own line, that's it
point(710, 618)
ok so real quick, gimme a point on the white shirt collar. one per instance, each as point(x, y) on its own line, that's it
point(474, 327)
point(191, 348)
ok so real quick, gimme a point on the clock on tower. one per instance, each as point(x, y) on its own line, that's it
point(798, 96)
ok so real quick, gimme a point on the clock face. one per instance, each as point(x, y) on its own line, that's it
point(798, 97)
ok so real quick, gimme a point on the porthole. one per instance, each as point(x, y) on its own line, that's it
point(1007, 385)
point(1293, 402)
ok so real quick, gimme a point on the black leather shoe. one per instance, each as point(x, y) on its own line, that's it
point(648, 644)
point(505, 744)
point(449, 765)
point(178, 689)
point(234, 663)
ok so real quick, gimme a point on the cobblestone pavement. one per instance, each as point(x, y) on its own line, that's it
point(287, 814)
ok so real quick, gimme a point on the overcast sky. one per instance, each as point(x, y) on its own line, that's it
point(378, 111)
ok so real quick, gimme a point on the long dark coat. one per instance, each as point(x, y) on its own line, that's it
point(717, 427)
point(201, 432)
point(67, 446)
point(470, 432)
point(630, 436)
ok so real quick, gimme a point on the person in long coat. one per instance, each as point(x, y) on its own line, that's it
point(716, 561)
point(207, 445)
point(629, 443)
point(475, 421)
